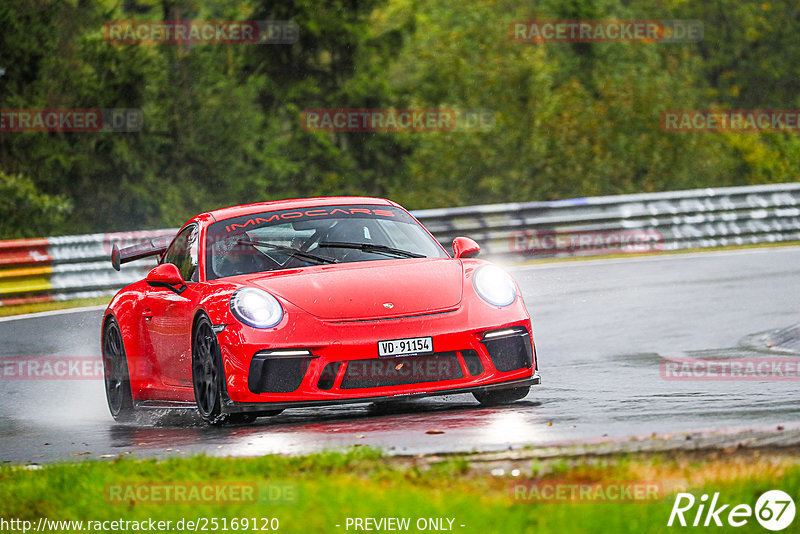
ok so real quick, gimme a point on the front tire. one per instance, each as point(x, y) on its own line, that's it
point(207, 376)
point(116, 376)
point(501, 396)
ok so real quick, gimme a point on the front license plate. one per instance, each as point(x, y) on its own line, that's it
point(405, 347)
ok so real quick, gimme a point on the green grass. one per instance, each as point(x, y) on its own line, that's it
point(327, 488)
point(7, 311)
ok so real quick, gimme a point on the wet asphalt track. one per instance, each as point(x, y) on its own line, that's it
point(601, 329)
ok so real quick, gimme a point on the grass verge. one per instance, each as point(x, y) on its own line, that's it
point(318, 493)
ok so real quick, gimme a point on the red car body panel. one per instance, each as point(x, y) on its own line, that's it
point(363, 287)
point(334, 311)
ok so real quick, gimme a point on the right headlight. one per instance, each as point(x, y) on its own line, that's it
point(256, 308)
point(494, 285)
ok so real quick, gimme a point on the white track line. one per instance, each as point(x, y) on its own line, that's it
point(52, 312)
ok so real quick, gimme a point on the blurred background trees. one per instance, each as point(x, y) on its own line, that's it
point(222, 122)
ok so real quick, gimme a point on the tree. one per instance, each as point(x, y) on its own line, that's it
point(27, 212)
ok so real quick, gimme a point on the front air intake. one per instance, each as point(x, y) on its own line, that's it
point(510, 349)
point(278, 371)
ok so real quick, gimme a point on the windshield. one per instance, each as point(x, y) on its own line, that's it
point(314, 236)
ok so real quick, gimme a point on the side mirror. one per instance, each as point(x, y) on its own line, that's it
point(464, 247)
point(166, 275)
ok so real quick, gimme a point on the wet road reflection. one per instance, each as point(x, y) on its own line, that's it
point(602, 330)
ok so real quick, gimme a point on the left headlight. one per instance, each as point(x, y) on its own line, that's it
point(494, 285)
point(256, 308)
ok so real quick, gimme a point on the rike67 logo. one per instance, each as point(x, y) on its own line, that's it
point(774, 510)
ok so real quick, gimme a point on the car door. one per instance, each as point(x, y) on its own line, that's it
point(168, 315)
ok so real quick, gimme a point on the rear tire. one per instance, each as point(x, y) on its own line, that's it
point(116, 375)
point(207, 376)
point(501, 396)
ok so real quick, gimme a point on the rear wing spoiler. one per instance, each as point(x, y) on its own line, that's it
point(151, 247)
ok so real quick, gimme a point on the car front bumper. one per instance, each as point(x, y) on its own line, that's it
point(333, 371)
point(230, 406)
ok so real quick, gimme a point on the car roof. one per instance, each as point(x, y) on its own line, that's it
point(274, 205)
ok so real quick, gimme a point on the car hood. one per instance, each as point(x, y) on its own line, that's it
point(369, 289)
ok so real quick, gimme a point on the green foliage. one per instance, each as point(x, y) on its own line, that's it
point(222, 122)
point(572, 120)
point(27, 212)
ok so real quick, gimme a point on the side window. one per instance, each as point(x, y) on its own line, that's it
point(183, 253)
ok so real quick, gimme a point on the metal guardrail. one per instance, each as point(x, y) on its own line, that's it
point(674, 220)
point(60, 268)
point(67, 267)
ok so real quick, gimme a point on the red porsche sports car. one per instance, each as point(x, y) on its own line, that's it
point(254, 309)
